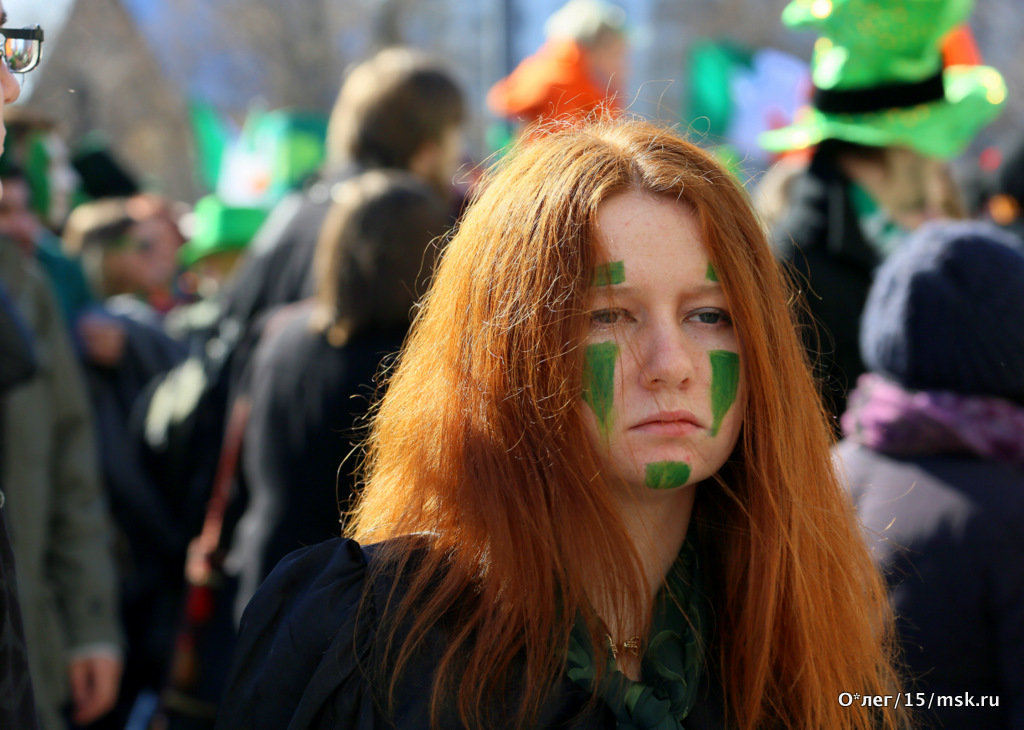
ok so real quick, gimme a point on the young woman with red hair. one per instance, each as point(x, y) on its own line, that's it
point(598, 490)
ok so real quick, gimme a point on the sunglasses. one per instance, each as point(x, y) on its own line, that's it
point(22, 49)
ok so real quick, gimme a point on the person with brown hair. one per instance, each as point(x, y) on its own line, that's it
point(399, 109)
point(598, 489)
point(314, 368)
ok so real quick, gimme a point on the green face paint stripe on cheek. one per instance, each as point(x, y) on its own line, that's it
point(725, 380)
point(666, 474)
point(614, 272)
point(599, 381)
point(711, 274)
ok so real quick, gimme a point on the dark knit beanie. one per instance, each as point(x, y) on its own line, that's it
point(946, 312)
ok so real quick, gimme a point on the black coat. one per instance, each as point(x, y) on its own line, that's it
point(278, 268)
point(820, 239)
point(308, 401)
point(301, 657)
point(946, 531)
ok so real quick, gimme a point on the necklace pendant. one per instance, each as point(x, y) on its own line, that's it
point(632, 645)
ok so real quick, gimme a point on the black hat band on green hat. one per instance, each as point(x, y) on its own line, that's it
point(876, 64)
point(881, 97)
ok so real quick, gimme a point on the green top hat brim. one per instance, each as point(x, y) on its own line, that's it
point(220, 228)
point(974, 96)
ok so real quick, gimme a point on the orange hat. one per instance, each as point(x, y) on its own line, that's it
point(553, 82)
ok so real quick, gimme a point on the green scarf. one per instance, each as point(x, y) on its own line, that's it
point(670, 668)
point(878, 229)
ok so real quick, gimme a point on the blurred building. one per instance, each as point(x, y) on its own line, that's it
point(128, 67)
point(100, 76)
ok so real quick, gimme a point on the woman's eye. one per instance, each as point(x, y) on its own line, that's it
point(710, 317)
point(608, 316)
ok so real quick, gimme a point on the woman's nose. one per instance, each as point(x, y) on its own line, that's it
point(668, 357)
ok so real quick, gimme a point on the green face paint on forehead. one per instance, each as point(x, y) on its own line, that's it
point(614, 272)
point(725, 380)
point(711, 274)
point(599, 381)
point(666, 474)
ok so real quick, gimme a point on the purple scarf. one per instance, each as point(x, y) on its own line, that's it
point(887, 418)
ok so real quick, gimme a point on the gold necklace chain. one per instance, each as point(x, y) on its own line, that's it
point(629, 646)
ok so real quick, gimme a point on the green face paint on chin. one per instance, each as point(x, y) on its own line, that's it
point(725, 380)
point(666, 474)
point(614, 272)
point(599, 382)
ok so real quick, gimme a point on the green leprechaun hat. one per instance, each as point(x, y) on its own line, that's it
point(879, 78)
point(218, 228)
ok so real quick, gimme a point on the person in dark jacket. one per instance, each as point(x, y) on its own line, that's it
point(559, 523)
point(934, 455)
point(399, 109)
point(18, 363)
point(53, 505)
point(315, 368)
point(124, 347)
point(887, 113)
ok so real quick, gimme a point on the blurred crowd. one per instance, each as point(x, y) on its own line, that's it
point(194, 377)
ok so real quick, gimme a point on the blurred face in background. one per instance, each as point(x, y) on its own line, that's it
point(144, 262)
point(17, 219)
point(607, 62)
point(438, 161)
point(158, 241)
point(910, 187)
point(450, 155)
point(134, 264)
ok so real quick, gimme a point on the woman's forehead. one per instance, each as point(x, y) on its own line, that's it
point(639, 225)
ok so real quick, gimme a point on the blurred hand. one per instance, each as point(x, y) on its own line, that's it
point(102, 339)
point(94, 683)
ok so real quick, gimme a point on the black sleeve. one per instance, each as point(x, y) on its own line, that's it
point(300, 661)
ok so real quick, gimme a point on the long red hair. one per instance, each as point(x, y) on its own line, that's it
point(480, 443)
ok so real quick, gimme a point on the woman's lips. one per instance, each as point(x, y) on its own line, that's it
point(668, 423)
